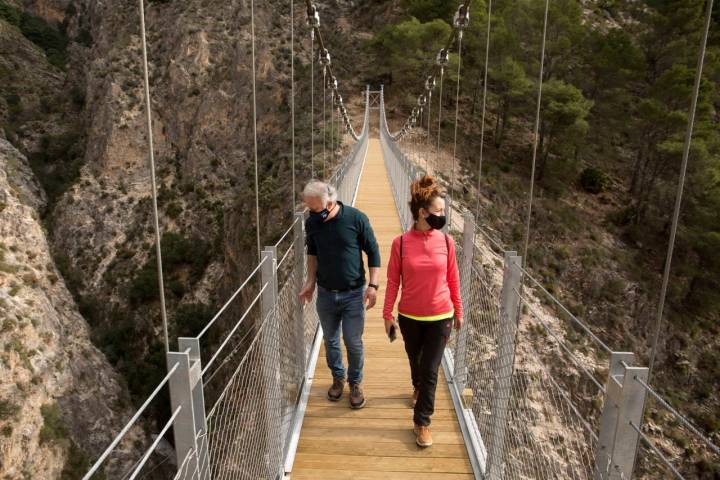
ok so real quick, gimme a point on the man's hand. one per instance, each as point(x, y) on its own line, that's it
point(370, 297)
point(458, 323)
point(306, 292)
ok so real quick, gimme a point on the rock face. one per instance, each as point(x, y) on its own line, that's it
point(78, 275)
point(59, 396)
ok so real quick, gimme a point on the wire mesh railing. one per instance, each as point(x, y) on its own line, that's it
point(543, 395)
point(234, 388)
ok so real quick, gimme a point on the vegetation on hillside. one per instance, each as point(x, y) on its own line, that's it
point(617, 88)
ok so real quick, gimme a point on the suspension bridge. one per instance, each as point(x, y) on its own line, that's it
point(517, 399)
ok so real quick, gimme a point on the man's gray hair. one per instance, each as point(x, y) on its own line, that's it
point(324, 191)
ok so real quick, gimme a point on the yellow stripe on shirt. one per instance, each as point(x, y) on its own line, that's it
point(430, 318)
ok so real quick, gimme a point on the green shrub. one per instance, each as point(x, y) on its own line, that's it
point(174, 210)
point(77, 464)
point(593, 180)
point(145, 284)
point(613, 289)
point(621, 217)
point(53, 428)
point(176, 287)
point(57, 164)
point(191, 318)
point(8, 409)
point(38, 31)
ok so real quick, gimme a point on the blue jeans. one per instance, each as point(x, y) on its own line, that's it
point(344, 310)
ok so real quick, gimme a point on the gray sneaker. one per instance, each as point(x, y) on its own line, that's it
point(357, 398)
point(336, 389)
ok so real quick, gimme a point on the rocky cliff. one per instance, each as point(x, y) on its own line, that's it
point(60, 399)
point(78, 268)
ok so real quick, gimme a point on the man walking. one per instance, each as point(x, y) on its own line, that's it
point(336, 236)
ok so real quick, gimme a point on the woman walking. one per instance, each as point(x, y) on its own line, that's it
point(422, 260)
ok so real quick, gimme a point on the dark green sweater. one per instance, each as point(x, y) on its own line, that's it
point(338, 245)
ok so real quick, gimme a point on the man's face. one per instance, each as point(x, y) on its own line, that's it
point(315, 204)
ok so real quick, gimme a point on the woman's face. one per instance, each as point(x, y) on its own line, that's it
point(437, 207)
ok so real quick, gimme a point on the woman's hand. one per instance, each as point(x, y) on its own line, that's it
point(459, 323)
point(388, 324)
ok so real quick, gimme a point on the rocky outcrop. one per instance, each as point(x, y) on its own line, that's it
point(60, 400)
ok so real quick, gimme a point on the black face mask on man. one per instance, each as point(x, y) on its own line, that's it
point(322, 214)
point(436, 222)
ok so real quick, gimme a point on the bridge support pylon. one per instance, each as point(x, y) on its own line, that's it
point(623, 406)
point(190, 426)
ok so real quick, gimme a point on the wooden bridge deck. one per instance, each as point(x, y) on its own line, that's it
point(377, 442)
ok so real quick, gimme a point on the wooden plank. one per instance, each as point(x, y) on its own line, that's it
point(389, 391)
point(375, 402)
point(376, 449)
point(385, 463)
point(349, 423)
point(389, 436)
point(325, 474)
point(336, 410)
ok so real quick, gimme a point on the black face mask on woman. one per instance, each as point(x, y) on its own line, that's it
point(436, 222)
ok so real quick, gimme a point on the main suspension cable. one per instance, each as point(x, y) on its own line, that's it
point(536, 135)
point(151, 148)
point(455, 133)
point(292, 103)
point(482, 116)
point(255, 148)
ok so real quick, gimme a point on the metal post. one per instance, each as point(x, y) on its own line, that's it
point(299, 270)
point(270, 374)
point(198, 399)
point(630, 410)
point(460, 368)
point(609, 416)
point(505, 357)
point(181, 396)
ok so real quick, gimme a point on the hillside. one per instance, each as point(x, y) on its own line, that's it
point(81, 321)
point(616, 92)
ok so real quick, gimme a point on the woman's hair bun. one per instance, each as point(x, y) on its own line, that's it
point(422, 192)
point(424, 188)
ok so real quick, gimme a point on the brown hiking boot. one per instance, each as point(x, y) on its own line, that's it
point(413, 401)
point(422, 435)
point(336, 389)
point(357, 399)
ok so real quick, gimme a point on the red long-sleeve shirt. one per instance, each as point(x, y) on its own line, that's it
point(430, 278)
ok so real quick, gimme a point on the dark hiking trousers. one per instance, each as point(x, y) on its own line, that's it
point(425, 342)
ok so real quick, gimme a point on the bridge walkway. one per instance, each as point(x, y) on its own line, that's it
point(377, 442)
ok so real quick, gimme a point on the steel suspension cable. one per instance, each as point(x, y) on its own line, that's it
point(332, 129)
point(680, 187)
point(427, 140)
point(151, 148)
point(440, 98)
point(312, 103)
point(255, 148)
point(457, 114)
point(536, 134)
point(482, 117)
point(324, 129)
point(292, 103)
